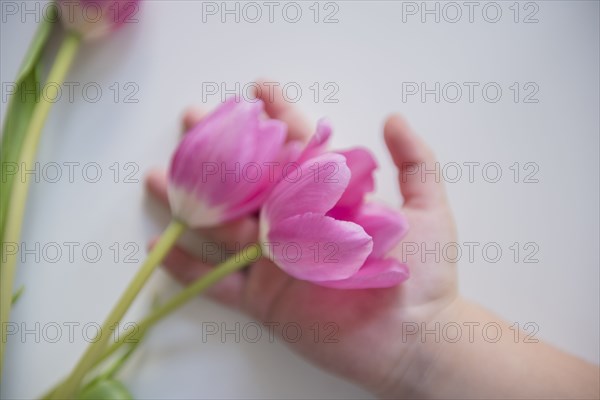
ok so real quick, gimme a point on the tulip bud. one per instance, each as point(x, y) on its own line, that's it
point(209, 181)
point(96, 18)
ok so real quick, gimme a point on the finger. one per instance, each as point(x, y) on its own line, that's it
point(413, 158)
point(277, 107)
point(233, 234)
point(265, 283)
point(187, 269)
point(156, 183)
point(191, 117)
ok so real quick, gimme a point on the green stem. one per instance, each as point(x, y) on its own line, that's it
point(234, 263)
point(111, 371)
point(95, 349)
point(20, 188)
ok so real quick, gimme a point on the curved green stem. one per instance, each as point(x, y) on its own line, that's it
point(234, 263)
point(111, 371)
point(20, 188)
point(95, 349)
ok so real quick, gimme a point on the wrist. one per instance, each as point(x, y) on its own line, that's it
point(421, 336)
point(465, 351)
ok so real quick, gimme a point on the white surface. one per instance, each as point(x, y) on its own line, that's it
point(368, 54)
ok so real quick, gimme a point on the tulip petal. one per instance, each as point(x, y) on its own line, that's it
point(314, 186)
point(221, 137)
point(376, 273)
point(255, 174)
point(315, 247)
point(194, 212)
point(220, 169)
point(362, 165)
point(385, 225)
point(317, 143)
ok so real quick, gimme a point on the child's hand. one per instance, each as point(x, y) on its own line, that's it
point(365, 325)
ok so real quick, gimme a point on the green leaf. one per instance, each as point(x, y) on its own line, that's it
point(37, 44)
point(106, 389)
point(18, 114)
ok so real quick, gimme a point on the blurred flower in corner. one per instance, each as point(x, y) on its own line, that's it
point(205, 187)
point(96, 18)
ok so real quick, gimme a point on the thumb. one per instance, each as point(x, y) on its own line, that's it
point(415, 162)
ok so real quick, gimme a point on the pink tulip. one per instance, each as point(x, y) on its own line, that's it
point(359, 160)
point(220, 171)
point(318, 228)
point(387, 227)
point(97, 18)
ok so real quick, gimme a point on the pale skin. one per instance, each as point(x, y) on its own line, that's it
point(377, 346)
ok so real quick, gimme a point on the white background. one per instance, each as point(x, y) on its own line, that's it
point(368, 54)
